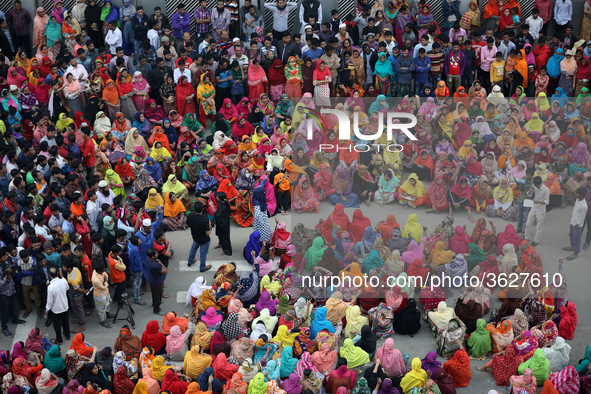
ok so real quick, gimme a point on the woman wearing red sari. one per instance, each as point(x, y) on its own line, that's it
point(123, 168)
point(458, 367)
point(276, 80)
point(338, 217)
point(257, 81)
point(185, 94)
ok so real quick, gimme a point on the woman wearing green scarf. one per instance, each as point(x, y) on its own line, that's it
point(257, 385)
point(355, 355)
point(475, 257)
point(384, 73)
point(539, 365)
point(54, 361)
point(116, 183)
point(284, 305)
point(373, 260)
point(288, 362)
point(479, 342)
point(314, 253)
point(193, 124)
point(583, 95)
point(53, 32)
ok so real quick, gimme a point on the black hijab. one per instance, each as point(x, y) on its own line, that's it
point(220, 124)
point(255, 118)
point(372, 378)
point(408, 320)
point(99, 379)
point(368, 338)
point(468, 314)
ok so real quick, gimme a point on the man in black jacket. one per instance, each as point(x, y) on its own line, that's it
point(286, 48)
point(469, 65)
point(157, 78)
point(41, 276)
point(140, 25)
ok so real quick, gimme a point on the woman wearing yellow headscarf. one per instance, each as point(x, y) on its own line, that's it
point(413, 228)
point(439, 255)
point(355, 321)
point(466, 150)
point(159, 368)
point(411, 192)
point(154, 200)
point(393, 161)
point(273, 287)
point(417, 377)
point(287, 338)
point(353, 270)
point(542, 102)
point(535, 124)
point(195, 362)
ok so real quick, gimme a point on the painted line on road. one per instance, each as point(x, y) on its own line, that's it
point(22, 330)
point(181, 297)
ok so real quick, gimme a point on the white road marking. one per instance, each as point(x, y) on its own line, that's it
point(22, 330)
point(181, 297)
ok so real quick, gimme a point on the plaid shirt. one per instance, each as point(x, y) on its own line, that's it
point(200, 13)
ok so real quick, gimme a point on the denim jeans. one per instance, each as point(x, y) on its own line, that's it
point(522, 213)
point(137, 282)
point(467, 80)
point(202, 253)
point(419, 87)
point(433, 80)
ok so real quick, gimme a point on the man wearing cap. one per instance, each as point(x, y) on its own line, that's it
point(167, 45)
point(146, 235)
point(105, 194)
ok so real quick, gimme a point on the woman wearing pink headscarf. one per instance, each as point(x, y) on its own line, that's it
point(414, 252)
point(509, 236)
point(324, 359)
point(270, 194)
point(459, 242)
point(141, 89)
point(391, 359)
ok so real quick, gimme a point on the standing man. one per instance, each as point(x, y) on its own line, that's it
point(76, 293)
point(405, 66)
point(19, 18)
point(27, 265)
point(310, 8)
point(8, 307)
point(102, 299)
point(140, 25)
point(202, 21)
point(57, 306)
point(577, 221)
point(200, 230)
point(455, 61)
point(117, 270)
point(156, 271)
point(114, 37)
point(232, 6)
point(523, 186)
point(135, 266)
point(563, 14)
point(146, 235)
point(280, 16)
point(180, 22)
point(541, 196)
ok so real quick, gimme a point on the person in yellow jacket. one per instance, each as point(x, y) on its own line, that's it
point(497, 70)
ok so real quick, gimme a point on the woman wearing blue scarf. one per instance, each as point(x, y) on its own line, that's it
point(384, 74)
point(553, 69)
point(288, 362)
point(379, 105)
point(254, 243)
point(142, 124)
point(320, 323)
point(170, 132)
point(154, 170)
point(205, 185)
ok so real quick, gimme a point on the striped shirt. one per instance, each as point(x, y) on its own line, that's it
point(232, 6)
point(436, 62)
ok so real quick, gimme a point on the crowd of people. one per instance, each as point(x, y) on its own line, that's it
point(119, 128)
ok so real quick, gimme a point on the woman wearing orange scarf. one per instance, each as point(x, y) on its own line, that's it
point(231, 192)
point(458, 367)
point(174, 214)
point(111, 99)
point(160, 136)
point(521, 78)
point(523, 140)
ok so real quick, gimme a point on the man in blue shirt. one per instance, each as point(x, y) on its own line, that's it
point(4, 181)
point(156, 272)
point(146, 235)
point(422, 68)
point(135, 266)
point(223, 76)
point(314, 51)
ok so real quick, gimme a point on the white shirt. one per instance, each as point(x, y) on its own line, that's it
point(93, 211)
point(44, 232)
point(115, 39)
point(579, 213)
point(563, 11)
point(102, 199)
point(77, 72)
point(540, 194)
point(57, 298)
point(535, 25)
point(154, 38)
point(176, 74)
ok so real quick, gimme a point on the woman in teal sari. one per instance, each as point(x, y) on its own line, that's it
point(53, 33)
point(475, 257)
point(384, 74)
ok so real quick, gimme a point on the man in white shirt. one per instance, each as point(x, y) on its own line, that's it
point(563, 14)
point(541, 196)
point(425, 44)
point(153, 36)
point(41, 229)
point(105, 194)
point(239, 56)
point(182, 70)
point(92, 210)
point(577, 220)
point(114, 37)
point(78, 71)
point(535, 23)
point(57, 306)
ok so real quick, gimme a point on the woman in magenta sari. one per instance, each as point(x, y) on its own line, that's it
point(402, 19)
point(270, 194)
point(141, 89)
point(509, 236)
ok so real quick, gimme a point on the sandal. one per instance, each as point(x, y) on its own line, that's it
point(54, 342)
point(140, 302)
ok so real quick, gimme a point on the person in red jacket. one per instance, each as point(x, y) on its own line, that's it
point(87, 149)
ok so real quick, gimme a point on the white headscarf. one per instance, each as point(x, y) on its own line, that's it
point(442, 315)
point(196, 289)
point(558, 354)
point(219, 139)
point(509, 259)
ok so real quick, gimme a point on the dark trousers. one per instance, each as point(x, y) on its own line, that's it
point(156, 297)
point(60, 322)
point(221, 95)
point(587, 222)
point(8, 309)
point(88, 298)
point(484, 78)
point(119, 289)
point(24, 42)
point(283, 200)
